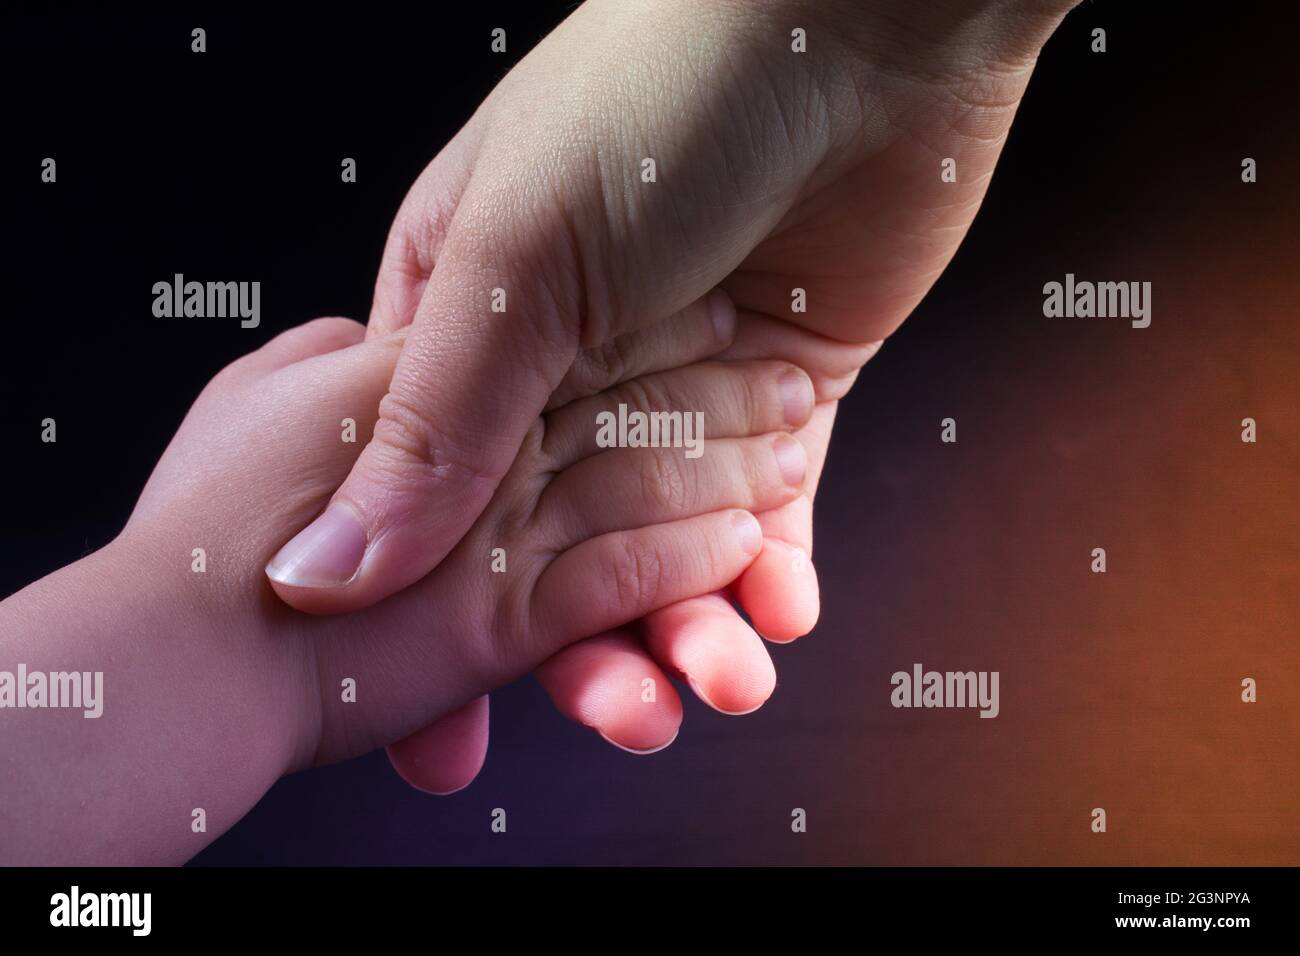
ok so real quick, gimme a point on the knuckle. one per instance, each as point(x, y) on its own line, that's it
point(663, 482)
point(642, 395)
point(405, 428)
point(637, 574)
point(599, 367)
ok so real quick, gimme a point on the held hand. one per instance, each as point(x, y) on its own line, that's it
point(641, 155)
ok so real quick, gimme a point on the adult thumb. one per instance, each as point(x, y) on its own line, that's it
point(490, 341)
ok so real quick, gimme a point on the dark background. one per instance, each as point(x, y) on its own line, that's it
point(1122, 166)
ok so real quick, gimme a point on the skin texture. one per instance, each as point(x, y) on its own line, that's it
point(702, 641)
point(829, 181)
point(775, 171)
point(213, 689)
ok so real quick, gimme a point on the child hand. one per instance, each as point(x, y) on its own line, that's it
point(599, 682)
point(213, 689)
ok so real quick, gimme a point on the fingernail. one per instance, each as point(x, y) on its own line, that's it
point(699, 692)
point(324, 554)
point(796, 396)
point(748, 533)
point(723, 313)
point(791, 459)
point(633, 750)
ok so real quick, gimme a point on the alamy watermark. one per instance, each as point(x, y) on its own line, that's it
point(651, 430)
point(922, 688)
point(56, 689)
point(208, 300)
point(1085, 300)
point(74, 908)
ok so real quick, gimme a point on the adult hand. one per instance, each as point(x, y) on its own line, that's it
point(639, 156)
point(837, 176)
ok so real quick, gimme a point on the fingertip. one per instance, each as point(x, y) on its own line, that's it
point(708, 643)
point(732, 697)
point(611, 685)
point(312, 571)
point(779, 592)
point(325, 554)
point(445, 757)
point(638, 751)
